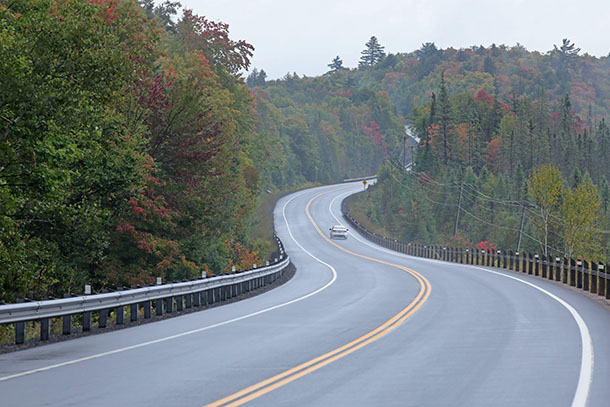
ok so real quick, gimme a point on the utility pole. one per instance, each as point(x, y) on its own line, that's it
point(521, 227)
point(404, 143)
point(459, 208)
point(412, 156)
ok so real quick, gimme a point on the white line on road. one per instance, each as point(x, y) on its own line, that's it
point(587, 356)
point(194, 331)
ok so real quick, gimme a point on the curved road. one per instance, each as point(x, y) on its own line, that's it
point(358, 325)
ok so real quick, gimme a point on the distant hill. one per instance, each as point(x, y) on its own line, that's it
point(410, 78)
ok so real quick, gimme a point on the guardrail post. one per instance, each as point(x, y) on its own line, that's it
point(147, 305)
point(45, 329)
point(594, 278)
point(197, 299)
point(543, 266)
point(536, 265)
point(189, 300)
point(20, 328)
point(86, 321)
point(579, 274)
point(86, 317)
point(120, 315)
point(565, 271)
point(179, 303)
point(601, 280)
point(557, 268)
point(159, 306)
point(169, 304)
point(133, 312)
point(66, 326)
point(572, 276)
point(603, 267)
point(586, 276)
point(103, 318)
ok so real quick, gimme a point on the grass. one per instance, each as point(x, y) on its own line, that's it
point(357, 206)
point(261, 220)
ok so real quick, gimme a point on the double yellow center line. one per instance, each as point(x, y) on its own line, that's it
point(261, 388)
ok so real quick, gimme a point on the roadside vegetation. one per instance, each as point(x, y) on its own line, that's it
point(134, 147)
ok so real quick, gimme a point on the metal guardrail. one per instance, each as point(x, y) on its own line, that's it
point(187, 294)
point(29, 311)
point(588, 276)
point(360, 179)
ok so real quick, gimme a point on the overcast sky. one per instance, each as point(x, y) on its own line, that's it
point(304, 36)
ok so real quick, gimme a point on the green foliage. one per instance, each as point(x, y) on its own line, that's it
point(336, 64)
point(126, 146)
point(321, 130)
point(372, 54)
point(66, 155)
point(490, 147)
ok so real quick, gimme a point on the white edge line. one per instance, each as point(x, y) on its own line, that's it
point(587, 356)
point(167, 338)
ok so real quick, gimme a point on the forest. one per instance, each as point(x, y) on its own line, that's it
point(513, 162)
point(139, 142)
point(132, 147)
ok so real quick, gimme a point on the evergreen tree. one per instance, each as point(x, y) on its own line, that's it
point(604, 194)
point(488, 65)
point(256, 78)
point(372, 54)
point(336, 64)
point(445, 117)
point(564, 57)
point(429, 57)
point(576, 178)
point(519, 183)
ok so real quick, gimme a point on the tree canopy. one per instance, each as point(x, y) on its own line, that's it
point(372, 54)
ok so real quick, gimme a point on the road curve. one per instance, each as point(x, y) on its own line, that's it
point(358, 325)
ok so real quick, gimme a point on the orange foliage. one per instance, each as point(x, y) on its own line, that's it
point(242, 257)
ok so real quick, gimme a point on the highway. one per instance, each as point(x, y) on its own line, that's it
point(358, 325)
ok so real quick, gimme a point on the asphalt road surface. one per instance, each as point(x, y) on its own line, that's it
point(358, 325)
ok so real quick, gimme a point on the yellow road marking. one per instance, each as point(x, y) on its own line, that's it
point(279, 380)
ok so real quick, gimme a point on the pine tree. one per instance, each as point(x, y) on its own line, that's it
point(373, 53)
point(565, 57)
point(256, 78)
point(604, 194)
point(429, 57)
point(336, 64)
point(445, 117)
point(488, 66)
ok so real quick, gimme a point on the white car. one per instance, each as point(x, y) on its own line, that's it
point(339, 232)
